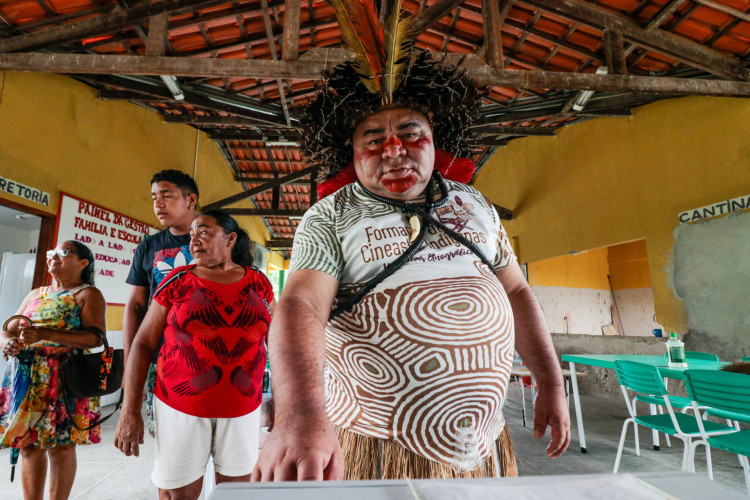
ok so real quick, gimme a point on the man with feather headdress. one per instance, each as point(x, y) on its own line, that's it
point(403, 281)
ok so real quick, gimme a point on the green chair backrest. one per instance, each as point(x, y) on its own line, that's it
point(640, 377)
point(725, 391)
point(746, 359)
point(699, 355)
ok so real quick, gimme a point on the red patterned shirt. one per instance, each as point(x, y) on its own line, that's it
point(213, 358)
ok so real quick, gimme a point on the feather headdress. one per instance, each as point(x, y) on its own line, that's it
point(381, 52)
point(387, 72)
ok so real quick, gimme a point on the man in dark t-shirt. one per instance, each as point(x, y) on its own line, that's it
point(175, 196)
point(156, 256)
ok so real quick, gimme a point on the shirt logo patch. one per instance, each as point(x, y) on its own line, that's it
point(168, 259)
point(456, 213)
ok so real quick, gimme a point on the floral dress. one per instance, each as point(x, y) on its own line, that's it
point(33, 409)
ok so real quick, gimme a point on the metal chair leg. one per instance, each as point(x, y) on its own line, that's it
point(622, 443)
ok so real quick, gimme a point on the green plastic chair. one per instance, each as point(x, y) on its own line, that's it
point(641, 378)
point(728, 395)
point(747, 359)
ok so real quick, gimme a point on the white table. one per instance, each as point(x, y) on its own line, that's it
point(673, 484)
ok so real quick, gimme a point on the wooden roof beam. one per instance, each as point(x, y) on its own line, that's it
point(238, 135)
point(290, 44)
point(280, 243)
point(158, 26)
point(551, 39)
point(745, 16)
point(266, 212)
point(525, 131)
point(260, 189)
point(263, 180)
point(434, 13)
point(614, 48)
point(310, 68)
point(689, 52)
point(108, 23)
point(148, 93)
point(493, 17)
point(226, 121)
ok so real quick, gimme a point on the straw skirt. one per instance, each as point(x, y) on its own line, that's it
point(372, 458)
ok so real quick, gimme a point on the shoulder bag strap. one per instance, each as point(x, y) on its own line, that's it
point(164, 283)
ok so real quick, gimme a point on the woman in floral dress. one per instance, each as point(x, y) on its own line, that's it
point(36, 419)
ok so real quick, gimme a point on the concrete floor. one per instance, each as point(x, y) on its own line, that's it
point(104, 473)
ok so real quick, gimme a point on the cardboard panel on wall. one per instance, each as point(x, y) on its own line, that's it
point(111, 236)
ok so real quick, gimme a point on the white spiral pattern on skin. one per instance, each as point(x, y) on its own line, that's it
point(437, 307)
point(429, 419)
point(432, 367)
point(373, 369)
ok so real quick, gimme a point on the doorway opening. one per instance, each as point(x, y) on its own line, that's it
point(602, 291)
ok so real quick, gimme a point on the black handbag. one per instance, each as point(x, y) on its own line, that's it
point(92, 375)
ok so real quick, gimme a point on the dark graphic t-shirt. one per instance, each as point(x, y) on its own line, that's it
point(156, 256)
point(214, 356)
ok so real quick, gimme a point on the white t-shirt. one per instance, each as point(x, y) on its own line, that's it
point(425, 357)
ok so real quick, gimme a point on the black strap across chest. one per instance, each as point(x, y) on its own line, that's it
point(422, 210)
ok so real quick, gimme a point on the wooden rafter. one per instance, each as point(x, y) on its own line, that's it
point(492, 24)
point(504, 213)
point(615, 52)
point(263, 180)
point(156, 42)
point(259, 189)
point(240, 135)
point(272, 47)
point(266, 212)
point(745, 16)
point(207, 121)
point(147, 93)
point(309, 69)
point(689, 52)
point(290, 44)
point(525, 131)
point(551, 39)
point(434, 13)
point(108, 23)
point(280, 243)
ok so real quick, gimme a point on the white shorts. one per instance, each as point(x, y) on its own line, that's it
point(184, 443)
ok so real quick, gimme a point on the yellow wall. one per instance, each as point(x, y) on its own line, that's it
point(611, 180)
point(626, 264)
point(584, 270)
point(55, 135)
point(276, 262)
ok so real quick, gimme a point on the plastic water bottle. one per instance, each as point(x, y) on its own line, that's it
point(676, 352)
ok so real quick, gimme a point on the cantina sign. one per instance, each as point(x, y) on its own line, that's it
point(721, 208)
point(110, 235)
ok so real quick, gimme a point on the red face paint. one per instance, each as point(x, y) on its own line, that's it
point(393, 142)
point(419, 143)
point(402, 184)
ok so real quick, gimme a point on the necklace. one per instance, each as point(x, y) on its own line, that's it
point(419, 211)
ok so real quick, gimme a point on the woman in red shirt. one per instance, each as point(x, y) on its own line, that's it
point(213, 316)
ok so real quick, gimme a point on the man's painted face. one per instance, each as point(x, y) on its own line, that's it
point(394, 154)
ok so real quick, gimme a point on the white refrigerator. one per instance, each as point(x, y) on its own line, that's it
point(16, 278)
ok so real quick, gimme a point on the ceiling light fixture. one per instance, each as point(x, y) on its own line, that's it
point(585, 96)
point(171, 82)
point(282, 142)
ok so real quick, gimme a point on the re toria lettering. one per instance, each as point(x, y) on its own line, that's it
point(25, 192)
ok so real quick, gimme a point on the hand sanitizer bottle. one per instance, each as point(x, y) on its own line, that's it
point(676, 352)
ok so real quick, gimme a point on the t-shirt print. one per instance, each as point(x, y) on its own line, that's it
point(424, 358)
point(168, 259)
